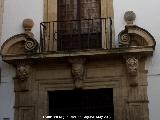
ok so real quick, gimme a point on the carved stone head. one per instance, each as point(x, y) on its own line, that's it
point(77, 71)
point(22, 72)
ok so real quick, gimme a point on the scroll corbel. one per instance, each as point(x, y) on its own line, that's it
point(78, 71)
point(132, 65)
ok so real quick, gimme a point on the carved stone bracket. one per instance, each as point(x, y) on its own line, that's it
point(132, 65)
point(78, 71)
point(22, 72)
point(31, 45)
point(23, 75)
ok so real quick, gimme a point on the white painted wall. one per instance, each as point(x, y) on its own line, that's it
point(147, 12)
point(147, 17)
point(14, 13)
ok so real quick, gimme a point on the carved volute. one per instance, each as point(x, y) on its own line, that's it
point(23, 43)
point(133, 35)
point(78, 71)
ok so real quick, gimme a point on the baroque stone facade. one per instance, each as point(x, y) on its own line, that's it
point(122, 69)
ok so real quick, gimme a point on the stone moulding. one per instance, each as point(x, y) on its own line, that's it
point(137, 35)
point(19, 44)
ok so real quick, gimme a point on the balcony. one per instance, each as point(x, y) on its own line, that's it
point(76, 35)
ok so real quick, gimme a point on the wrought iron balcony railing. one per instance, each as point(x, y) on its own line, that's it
point(74, 35)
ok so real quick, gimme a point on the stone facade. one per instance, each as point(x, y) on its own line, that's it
point(129, 102)
point(121, 68)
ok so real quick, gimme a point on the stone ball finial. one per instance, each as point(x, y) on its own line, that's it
point(28, 24)
point(129, 17)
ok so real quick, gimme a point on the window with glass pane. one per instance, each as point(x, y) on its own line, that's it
point(79, 21)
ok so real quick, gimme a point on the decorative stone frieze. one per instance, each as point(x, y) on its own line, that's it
point(78, 71)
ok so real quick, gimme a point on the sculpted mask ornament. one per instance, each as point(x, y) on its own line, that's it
point(77, 71)
point(132, 65)
point(23, 72)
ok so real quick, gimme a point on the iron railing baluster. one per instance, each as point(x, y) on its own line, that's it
point(85, 33)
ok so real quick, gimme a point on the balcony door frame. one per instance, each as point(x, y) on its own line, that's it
point(50, 14)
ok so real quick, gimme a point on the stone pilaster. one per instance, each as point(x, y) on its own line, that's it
point(137, 103)
point(23, 94)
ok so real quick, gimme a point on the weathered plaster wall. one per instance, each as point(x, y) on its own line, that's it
point(147, 17)
point(1, 15)
point(14, 13)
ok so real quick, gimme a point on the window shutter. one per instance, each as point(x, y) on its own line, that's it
point(107, 12)
point(50, 14)
point(106, 8)
point(50, 10)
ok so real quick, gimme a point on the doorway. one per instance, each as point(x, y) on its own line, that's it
point(82, 103)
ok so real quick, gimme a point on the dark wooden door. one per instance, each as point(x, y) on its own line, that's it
point(81, 103)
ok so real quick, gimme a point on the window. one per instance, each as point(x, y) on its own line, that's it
point(51, 8)
point(76, 24)
point(78, 9)
point(79, 26)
